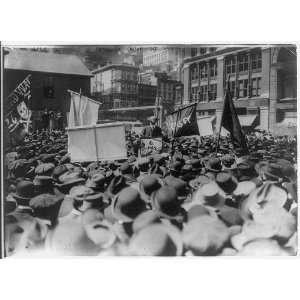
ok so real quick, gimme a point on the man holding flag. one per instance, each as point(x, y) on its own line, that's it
point(230, 122)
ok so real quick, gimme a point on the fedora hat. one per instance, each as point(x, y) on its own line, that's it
point(210, 195)
point(127, 205)
point(69, 179)
point(156, 240)
point(273, 171)
point(166, 202)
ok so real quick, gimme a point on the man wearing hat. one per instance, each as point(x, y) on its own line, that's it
point(152, 131)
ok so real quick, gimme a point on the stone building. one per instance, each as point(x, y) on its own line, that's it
point(263, 83)
point(115, 85)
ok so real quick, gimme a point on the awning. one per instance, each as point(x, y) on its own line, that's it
point(288, 122)
point(247, 120)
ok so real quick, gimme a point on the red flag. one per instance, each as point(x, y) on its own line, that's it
point(230, 122)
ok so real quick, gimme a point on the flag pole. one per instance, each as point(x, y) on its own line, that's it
point(219, 134)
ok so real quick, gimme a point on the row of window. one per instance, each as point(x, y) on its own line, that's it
point(203, 93)
point(244, 61)
point(124, 75)
point(244, 89)
point(209, 93)
point(202, 70)
point(156, 58)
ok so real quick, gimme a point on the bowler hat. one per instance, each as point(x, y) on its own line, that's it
point(148, 185)
point(165, 201)
point(226, 182)
point(127, 205)
point(24, 192)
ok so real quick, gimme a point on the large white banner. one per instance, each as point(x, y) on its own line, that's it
point(98, 142)
point(205, 125)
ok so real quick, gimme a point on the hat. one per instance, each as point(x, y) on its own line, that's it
point(45, 206)
point(213, 165)
point(148, 185)
point(199, 181)
point(45, 169)
point(209, 194)
point(58, 171)
point(70, 238)
point(96, 182)
point(69, 179)
point(127, 205)
point(273, 171)
point(165, 201)
point(179, 185)
point(205, 235)
point(126, 168)
point(288, 170)
point(246, 171)
point(196, 165)
point(84, 193)
point(198, 210)
point(230, 215)
point(98, 229)
point(116, 185)
point(156, 240)
point(145, 219)
point(226, 182)
point(263, 247)
point(24, 192)
point(267, 194)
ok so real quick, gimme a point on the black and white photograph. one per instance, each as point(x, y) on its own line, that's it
point(149, 150)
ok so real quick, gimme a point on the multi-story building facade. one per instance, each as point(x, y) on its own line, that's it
point(262, 81)
point(116, 85)
point(168, 91)
point(147, 94)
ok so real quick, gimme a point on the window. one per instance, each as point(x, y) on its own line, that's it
point(232, 89)
point(203, 95)
point(243, 88)
point(256, 61)
point(203, 50)
point(256, 87)
point(203, 71)
point(213, 92)
point(49, 87)
point(213, 69)
point(243, 63)
point(194, 73)
point(193, 52)
point(230, 65)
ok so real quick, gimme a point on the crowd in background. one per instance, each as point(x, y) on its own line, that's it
point(188, 200)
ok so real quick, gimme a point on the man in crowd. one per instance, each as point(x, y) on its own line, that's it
point(195, 202)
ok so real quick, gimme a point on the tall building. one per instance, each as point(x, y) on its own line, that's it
point(263, 83)
point(167, 91)
point(115, 85)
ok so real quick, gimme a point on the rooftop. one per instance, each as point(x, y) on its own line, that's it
point(45, 62)
point(114, 66)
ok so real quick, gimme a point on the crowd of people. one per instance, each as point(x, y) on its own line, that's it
point(188, 200)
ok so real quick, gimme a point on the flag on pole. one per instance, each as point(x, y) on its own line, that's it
point(83, 110)
point(183, 122)
point(17, 114)
point(230, 122)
